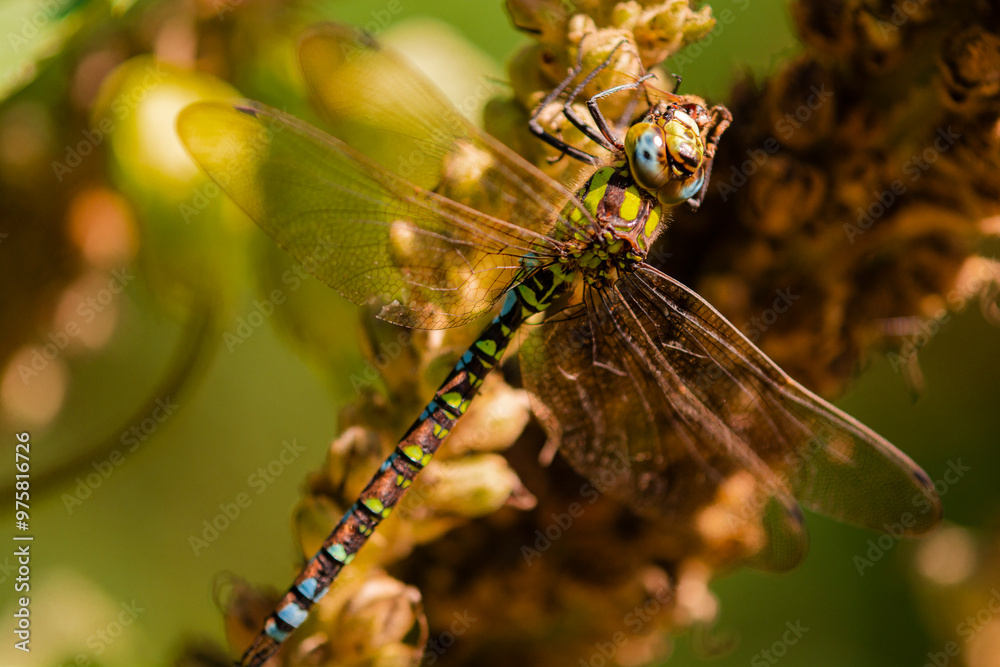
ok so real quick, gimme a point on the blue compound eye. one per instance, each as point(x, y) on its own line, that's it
point(646, 150)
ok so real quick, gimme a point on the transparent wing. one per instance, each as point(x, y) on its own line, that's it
point(377, 238)
point(834, 464)
point(659, 374)
point(601, 390)
point(375, 101)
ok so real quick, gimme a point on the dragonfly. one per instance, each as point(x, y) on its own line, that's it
point(625, 366)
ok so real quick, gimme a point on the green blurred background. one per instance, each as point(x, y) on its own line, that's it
point(126, 543)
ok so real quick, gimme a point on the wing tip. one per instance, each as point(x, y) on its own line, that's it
point(246, 109)
point(344, 37)
point(928, 502)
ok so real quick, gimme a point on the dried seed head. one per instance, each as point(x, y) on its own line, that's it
point(969, 63)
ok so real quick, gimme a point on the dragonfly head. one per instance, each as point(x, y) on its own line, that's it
point(666, 153)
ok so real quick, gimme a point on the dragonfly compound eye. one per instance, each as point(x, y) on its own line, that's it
point(667, 157)
point(646, 150)
point(686, 156)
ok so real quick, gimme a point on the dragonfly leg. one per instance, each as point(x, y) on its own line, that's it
point(603, 136)
point(601, 121)
point(695, 202)
point(536, 128)
point(579, 123)
point(722, 117)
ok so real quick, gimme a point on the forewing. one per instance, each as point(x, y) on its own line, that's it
point(623, 417)
point(375, 237)
point(375, 101)
point(834, 465)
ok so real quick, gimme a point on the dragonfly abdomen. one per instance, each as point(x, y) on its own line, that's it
point(411, 455)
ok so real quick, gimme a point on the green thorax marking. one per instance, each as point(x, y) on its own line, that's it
point(628, 220)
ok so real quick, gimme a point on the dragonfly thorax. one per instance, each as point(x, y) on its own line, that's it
point(628, 219)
